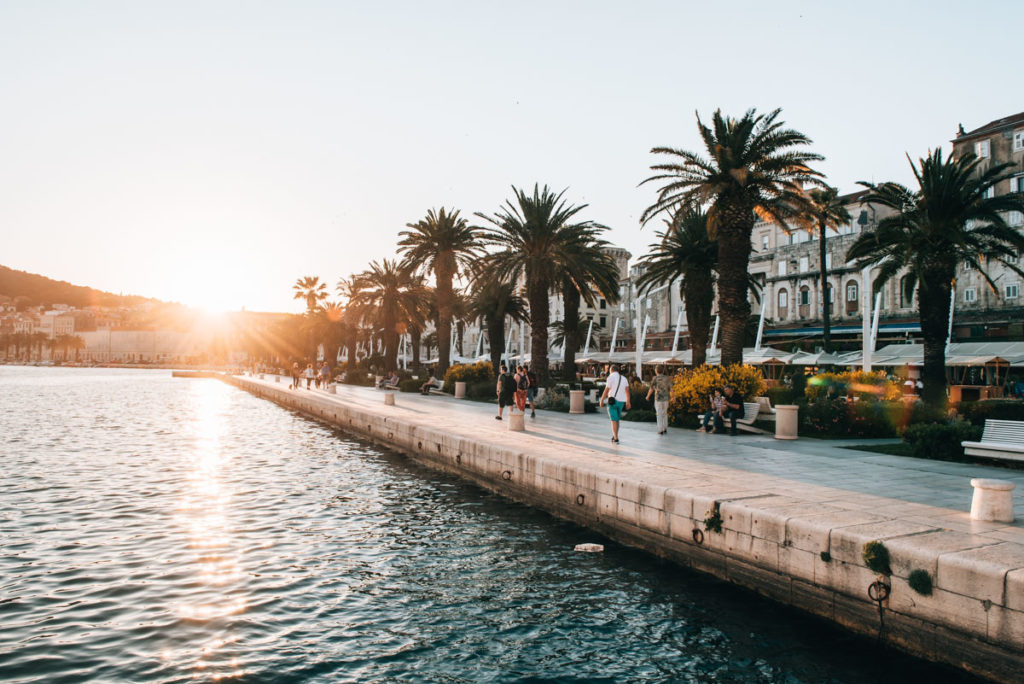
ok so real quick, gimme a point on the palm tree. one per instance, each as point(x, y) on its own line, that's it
point(686, 252)
point(491, 302)
point(949, 220)
point(824, 211)
point(441, 243)
point(755, 167)
point(537, 242)
point(388, 296)
point(559, 328)
point(594, 272)
point(76, 343)
point(310, 289)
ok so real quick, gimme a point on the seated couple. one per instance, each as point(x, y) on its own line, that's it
point(727, 404)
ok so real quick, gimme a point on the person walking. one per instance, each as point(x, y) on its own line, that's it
point(310, 374)
point(296, 384)
point(616, 393)
point(505, 389)
point(522, 385)
point(531, 391)
point(732, 410)
point(661, 388)
point(325, 375)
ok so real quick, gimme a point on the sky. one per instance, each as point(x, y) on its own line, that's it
point(211, 153)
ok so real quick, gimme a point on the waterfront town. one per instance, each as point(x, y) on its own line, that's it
point(555, 342)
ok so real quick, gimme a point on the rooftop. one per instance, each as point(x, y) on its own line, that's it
point(990, 127)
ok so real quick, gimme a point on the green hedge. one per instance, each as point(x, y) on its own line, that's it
point(940, 441)
point(997, 409)
point(782, 395)
point(410, 385)
point(640, 415)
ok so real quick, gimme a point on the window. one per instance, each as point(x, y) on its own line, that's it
point(1012, 291)
point(1015, 218)
point(603, 304)
point(783, 299)
point(851, 292)
point(1011, 259)
point(604, 321)
point(906, 294)
point(828, 260)
point(803, 264)
point(828, 293)
point(764, 241)
point(1017, 184)
point(782, 268)
point(805, 296)
point(970, 295)
point(990, 192)
point(982, 149)
point(1018, 140)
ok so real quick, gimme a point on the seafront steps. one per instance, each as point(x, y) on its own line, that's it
point(789, 520)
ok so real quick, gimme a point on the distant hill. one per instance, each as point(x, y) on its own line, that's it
point(40, 290)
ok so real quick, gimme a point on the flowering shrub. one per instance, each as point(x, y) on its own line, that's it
point(691, 389)
point(866, 386)
point(839, 418)
point(469, 373)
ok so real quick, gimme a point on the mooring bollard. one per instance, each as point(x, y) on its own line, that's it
point(786, 421)
point(332, 389)
point(460, 390)
point(992, 500)
point(389, 398)
point(261, 376)
point(277, 378)
point(516, 422)
point(576, 401)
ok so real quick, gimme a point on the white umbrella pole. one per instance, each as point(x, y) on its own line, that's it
point(586, 345)
point(615, 334)
point(640, 348)
point(508, 344)
point(522, 343)
point(480, 344)
point(952, 305)
point(865, 326)
point(760, 323)
point(714, 336)
point(675, 338)
point(874, 320)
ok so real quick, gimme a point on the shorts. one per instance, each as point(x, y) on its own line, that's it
point(615, 412)
point(505, 400)
point(531, 394)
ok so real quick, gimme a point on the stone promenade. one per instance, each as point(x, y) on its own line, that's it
point(795, 515)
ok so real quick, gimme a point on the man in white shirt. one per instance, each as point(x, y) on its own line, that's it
point(616, 393)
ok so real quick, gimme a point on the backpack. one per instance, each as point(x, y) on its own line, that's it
point(510, 384)
point(532, 379)
point(524, 382)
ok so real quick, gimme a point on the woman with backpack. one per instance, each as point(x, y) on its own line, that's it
point(522, 384)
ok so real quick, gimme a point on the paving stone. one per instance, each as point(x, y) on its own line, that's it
point(980, 572)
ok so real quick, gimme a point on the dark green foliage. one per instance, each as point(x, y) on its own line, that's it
point(921, 582)
point(782, 395)
point(638, 397)
point(482, 389)
point(713, 523)
point(996, 409)
point(826, 557)
point(876, 557)
point(940, 441)
point(640, 416)
point(409, 385)
point(359, 377)
point(840, 418)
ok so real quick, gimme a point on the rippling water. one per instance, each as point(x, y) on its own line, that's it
point(169, 530)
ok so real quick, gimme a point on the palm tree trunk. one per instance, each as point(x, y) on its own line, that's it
point(416, 337)
point(826, 305)
point(733, 261)
point(540, 318)
point(570, 329)
point(933, 299)
point(699, 294)
point(444, 320)
point(496, 337)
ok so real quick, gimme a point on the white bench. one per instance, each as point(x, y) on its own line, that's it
point(437, 390)
point(767, 411)
point(751, 409)
point(1002, 439)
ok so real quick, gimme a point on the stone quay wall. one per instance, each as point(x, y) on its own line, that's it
point(973, 619)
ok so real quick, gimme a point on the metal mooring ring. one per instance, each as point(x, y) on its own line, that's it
point(698, 535)
point(580, 499)
point(878, 591)
point(458, 458)
point(506, 475)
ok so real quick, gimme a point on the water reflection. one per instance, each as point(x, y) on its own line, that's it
point(204, 513)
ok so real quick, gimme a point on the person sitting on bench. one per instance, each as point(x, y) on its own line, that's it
point(732, 410)
point(388, 381)
point(432, 383)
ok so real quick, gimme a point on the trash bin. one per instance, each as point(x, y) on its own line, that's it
point(786, 421)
